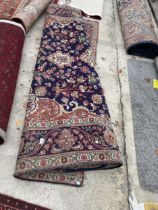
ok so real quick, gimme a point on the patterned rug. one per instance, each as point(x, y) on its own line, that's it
point(9, 203)
point(67, 127)
point(137, 28)
point(144, 101)
point(8, 8)
point(11, 44)
point(12, 34)
point(28, 14)
point(151, 206)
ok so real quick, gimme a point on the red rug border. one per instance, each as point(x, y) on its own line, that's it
point(18, 204)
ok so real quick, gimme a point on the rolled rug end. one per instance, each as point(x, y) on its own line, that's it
point(2, 136)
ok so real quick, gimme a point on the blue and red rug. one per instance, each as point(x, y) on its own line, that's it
point(67, 127)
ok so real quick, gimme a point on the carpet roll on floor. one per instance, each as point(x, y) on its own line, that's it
point(137, 28)
point(29, 14)
point(22, 4)
point(12, 37)
point(67, 126)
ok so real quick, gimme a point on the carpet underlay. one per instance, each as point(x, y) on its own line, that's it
point(10, 203)
point(144, 101)
point(151, 206)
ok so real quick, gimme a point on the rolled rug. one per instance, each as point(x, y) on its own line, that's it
point(8, 8)
point(12, 37)
point(137, 28)
point(89, 8)
point(22, 4)
point(67, 127)
point(29, 14)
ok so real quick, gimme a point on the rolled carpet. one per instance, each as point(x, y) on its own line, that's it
point(137, 28)
point(156, 63)
point(67, 126)
point(8, 8)
point(151, 206)
point(12, 37)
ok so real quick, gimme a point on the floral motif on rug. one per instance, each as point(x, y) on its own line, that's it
point(67, 126)
point(137, 28)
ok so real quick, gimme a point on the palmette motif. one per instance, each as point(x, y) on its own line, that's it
point(67, 125)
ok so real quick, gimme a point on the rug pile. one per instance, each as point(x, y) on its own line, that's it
point(12, 37)
point(19, 17)
point(144, 100)
point(137, 28)
point(67, 126)
point(6, 12)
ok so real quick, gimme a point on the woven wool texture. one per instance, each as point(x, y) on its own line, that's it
point(67, 126)
point(10, 203)
point(11, 45)
point(137, 28)
point(145, 120)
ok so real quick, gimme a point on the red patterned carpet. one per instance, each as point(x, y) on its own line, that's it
point(67, 127)
point(11, 45)
point(6, 11)
point(9, 203)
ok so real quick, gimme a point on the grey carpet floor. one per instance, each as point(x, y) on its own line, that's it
point(144, 102)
